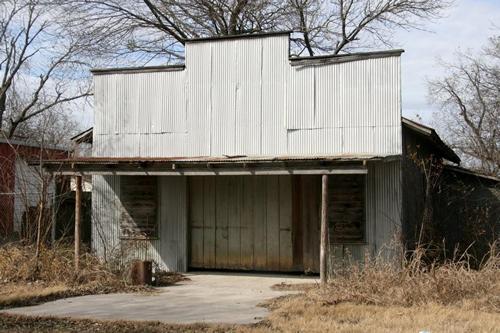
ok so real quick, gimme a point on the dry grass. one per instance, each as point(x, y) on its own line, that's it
point(417, 284)
point(302, 313)
point(54, 265)
point(27, 281)
point(21, 324)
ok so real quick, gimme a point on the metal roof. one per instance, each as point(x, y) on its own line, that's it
point(431, 135)
point(214, 160)
point(225, 165)
point(85, 136)
point(458, 169)
point(32, 144)
point(140, 69)
point(339, 58)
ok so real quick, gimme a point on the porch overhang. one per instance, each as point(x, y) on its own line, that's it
point(213, 166)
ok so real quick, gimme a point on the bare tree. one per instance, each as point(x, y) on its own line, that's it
point(152, 28)
point(40, 69)
point(343, 25)
point(469, 97)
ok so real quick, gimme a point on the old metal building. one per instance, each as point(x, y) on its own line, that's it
point(217, 163)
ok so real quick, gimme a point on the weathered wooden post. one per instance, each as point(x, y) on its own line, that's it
point(78, 216)
point(324, 230)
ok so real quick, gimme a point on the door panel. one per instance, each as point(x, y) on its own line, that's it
point(241, 222)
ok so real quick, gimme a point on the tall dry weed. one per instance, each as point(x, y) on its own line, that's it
point(54, 266)
point(417, 282)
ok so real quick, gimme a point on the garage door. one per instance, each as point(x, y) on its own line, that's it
point(241, 222)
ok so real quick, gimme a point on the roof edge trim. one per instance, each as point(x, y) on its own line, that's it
point(240, 36)
point(339, 58)
point(140, 69)
point(447, 152)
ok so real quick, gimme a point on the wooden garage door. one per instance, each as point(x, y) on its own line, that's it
point(241, 222)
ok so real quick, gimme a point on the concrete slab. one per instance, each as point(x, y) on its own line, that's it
point(230, 298)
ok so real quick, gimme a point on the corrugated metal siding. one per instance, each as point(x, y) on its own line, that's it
point(383, 217)
point(168, 251)
point(199, 84)
point(385, 205)
point(274, 76)
point(242, 96)
point(106, 208)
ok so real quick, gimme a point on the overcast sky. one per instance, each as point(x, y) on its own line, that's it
point(467, 25)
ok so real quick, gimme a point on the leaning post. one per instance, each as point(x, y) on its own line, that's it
point(324, 230)
point(78, 217)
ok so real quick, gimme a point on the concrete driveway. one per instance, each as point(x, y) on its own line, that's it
point(208, 297)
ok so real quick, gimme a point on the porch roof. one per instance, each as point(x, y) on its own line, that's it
point(223, 165)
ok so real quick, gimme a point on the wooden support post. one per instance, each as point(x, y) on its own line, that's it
point(53, 226)
point(78, 217)
point(324, 230)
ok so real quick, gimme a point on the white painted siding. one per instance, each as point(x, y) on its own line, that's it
point(243, 96)
point(28, 190)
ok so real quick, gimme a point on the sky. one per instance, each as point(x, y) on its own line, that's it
point(465, 26)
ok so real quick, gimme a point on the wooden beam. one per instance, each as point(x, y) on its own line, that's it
point(222, 172)
point(324, 231)
point(78, 216)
